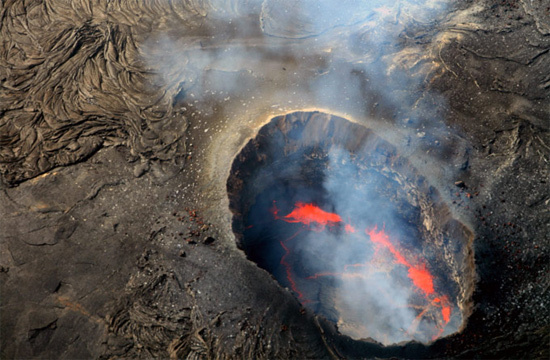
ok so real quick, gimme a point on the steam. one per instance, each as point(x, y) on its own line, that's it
point(344, 54)
point(374, 304)
point(371, 303)
point(340, 54)
point(343, 248)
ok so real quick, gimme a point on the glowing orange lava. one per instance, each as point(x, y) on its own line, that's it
point(310, 214)
point(349, 228)
point(422, 279)
point(288, 270)
point(446, 313)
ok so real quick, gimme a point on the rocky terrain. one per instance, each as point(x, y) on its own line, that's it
point(120, 120)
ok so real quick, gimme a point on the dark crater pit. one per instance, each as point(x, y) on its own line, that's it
point(348, 225)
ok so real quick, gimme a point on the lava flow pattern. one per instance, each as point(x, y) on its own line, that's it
point(317, 220)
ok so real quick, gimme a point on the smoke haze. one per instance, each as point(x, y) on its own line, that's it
point(344, 55)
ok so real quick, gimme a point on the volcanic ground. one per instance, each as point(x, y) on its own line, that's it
point(274, 179)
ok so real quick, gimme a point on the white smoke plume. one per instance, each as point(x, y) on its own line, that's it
point(341, 54)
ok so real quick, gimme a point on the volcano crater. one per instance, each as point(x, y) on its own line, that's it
point(352, 229)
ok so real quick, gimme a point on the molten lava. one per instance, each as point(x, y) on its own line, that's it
point(288, 269)
point(316, 219)
point(421, 277)
point(310, 214)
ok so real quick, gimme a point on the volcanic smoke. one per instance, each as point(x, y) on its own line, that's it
point(313, 218)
